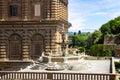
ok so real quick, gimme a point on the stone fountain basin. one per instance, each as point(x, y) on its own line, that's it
point(62, 59)
point(54, 66)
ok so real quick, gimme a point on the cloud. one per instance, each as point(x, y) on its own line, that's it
point(100, 13)
point(114, 14)
point(77, 23)
point(108, 4)
point(76, 17)
point(80, 12)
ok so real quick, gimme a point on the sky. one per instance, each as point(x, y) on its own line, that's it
point(90, 15)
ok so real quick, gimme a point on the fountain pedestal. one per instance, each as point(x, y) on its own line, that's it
point(66, 59)
point(55, 67)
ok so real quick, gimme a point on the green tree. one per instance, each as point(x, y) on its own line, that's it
point(74, 33)
point(98, 50)
point(93, 38)
point(89, 41)
point(96, 36)
point(111, 27)
point(105, 29)
point(79, 32)
point(78, 40)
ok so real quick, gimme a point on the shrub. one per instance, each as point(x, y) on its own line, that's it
point(117, 66)
point(81, 49)
point(97, 50)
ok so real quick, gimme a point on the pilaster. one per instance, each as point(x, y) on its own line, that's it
point(4, 10)
point(26, 46)
point(26, 9)
point(0, 9)
point(3, 47)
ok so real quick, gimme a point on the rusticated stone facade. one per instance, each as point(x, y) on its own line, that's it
point(30, 27)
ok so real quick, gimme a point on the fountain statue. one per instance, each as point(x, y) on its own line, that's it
point(63, 43)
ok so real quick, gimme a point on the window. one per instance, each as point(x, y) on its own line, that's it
point(15, 47)
point(37, 46)
point(37, 49)
point(13, 10)
point(37, 9)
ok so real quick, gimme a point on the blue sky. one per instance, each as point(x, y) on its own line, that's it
point(89, 15)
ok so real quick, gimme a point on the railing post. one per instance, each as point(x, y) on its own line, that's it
point(49, 76)
point(117, 77)
point(112, 77)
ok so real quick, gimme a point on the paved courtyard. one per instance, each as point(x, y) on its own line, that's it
point(83, 66)
point(95, 66)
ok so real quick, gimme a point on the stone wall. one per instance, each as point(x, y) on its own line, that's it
point(113, 40)
point(37, 10)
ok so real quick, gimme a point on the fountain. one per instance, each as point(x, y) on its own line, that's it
point(64, 58)
point(55, 66)
point(55, 63)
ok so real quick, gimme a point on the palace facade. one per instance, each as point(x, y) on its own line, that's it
point(30, 27)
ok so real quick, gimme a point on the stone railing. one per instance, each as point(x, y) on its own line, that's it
point(117, 76)
point(54, 76)
point(112, 66)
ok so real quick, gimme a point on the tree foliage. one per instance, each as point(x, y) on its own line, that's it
point(111, 27)
point(117, 66)
point(93, 38)
point(78, 40)
point(97, 50)
point(81, 49)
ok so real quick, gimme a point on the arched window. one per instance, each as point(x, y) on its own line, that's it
point(37, 46)
point(15, 50)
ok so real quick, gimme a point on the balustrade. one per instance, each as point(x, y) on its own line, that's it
point(54, 76)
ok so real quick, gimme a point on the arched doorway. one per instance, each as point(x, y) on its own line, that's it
point(15, 47)
point(37, 46)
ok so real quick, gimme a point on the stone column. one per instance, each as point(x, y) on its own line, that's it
point(3, 47)
point(26, 52)
point(4, 10)
point(26, 46)
point(0, 9)
point(54, 40)
point(48, 38)
point(25, 9)
point(54, 8)
point(3, 52)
